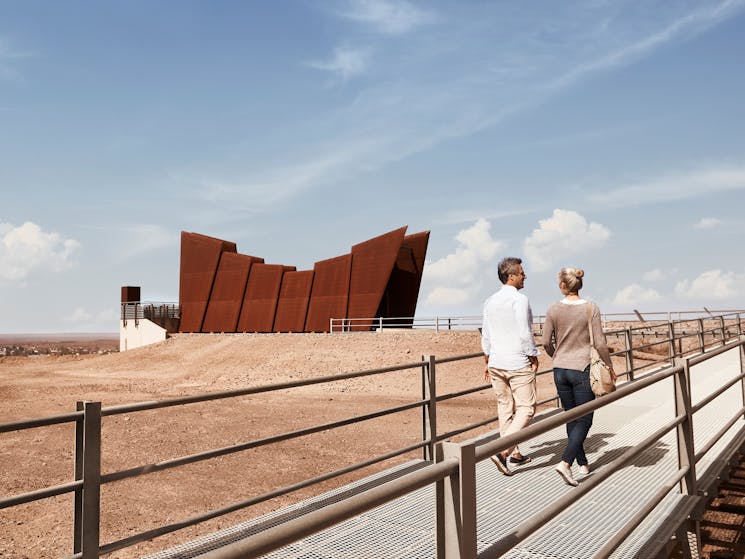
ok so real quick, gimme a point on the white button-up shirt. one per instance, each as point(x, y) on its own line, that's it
point(506, 330)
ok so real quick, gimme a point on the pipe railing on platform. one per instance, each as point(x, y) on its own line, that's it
point(87, 419)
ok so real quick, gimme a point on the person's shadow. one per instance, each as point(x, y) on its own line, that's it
point(594, 443)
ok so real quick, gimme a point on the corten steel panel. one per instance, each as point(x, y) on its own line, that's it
point(200, 255)
point(330, 293)
point(372, 264)
point(260, 301)
point(402, 291)
point(292, 306)
point(130, 294)
point(224, 306)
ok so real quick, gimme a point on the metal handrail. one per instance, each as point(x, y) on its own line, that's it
point(483, 451)
point(315, 521)
point(474, 321)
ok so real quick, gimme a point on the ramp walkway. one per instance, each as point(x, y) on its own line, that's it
point(405, 527)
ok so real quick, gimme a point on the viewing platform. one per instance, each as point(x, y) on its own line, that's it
point(406, 526)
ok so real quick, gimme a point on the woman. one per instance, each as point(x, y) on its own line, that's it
point(566, 338)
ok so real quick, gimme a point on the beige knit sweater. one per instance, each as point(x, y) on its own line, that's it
point(566, 337)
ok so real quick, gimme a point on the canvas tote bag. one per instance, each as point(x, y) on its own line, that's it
point(601, 381)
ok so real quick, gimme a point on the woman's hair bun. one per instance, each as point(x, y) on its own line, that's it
point(579, 272)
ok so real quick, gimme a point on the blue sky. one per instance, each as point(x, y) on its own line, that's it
point(608, 135)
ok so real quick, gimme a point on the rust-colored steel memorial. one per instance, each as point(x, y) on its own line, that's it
point(221, 290)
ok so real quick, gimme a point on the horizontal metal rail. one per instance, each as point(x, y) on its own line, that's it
point(198, 457)
point(39, 494)
point(482, 450)
point(714, 395)
point(637, 518)
point(40, 422)
point(198, 519)
point(283, 534)
point(142, 406)
point(719, 434)
point(490, 448)
point(529, 526)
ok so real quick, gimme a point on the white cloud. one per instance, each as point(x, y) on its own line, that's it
point(563, 235)
point(449, 296)
point(393, 17)
point(26, 250)
point(654, 275)
point(631, 295)
point(712, 285)
point(454, 278)
point(707, 223)
point(346, 62)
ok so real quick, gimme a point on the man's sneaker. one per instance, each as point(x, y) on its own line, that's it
point(566, 473)
point(501, 463)
point(584, 470)
point(519, 459)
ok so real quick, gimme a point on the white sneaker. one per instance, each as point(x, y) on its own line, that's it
point(584, 470)
point(566, 473)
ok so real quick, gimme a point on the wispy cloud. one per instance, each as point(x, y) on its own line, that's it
point(677, 26)
point(8, 56)
point(564, 235)
point(463, 84)
point(707, 223)
point(387, 16)
point(346, 62)
point(696, 183)
point(631, 296)
point(655, 275)
point(27, 249)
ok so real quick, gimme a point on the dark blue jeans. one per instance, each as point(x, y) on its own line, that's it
point(574, 389)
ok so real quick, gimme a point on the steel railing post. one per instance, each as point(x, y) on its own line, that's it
point(78, 499)
point(459, 504)
point(742, 368)
point(672, 349)
point(701, 339)
point(440, 508)
point(91, 480)
point(724, 333)
point(686, 453)
point(629, 353)
point(380, 323)
point(429, 410)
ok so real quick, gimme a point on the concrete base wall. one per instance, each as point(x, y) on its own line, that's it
point(143, 333)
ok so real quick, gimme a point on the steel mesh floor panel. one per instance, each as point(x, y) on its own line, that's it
point(405, 528)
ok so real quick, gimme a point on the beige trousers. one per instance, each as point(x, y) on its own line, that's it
point(516, 399)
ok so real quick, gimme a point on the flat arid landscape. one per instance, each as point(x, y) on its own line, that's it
point(188, 364)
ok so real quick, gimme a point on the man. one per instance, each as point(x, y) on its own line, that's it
point(511, 356)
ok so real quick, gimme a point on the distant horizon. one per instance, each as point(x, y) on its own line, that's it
point(55, 336)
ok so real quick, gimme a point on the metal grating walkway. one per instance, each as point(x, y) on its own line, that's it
point(405, 528)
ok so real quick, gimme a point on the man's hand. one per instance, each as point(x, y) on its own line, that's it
point(533, 363)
